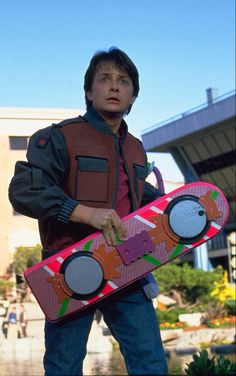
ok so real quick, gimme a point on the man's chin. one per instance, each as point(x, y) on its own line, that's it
point(114, 113)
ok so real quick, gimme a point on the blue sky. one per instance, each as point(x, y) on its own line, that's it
point(181, 48)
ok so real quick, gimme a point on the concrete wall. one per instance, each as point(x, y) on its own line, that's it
point(16, 230)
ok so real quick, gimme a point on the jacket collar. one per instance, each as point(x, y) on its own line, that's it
point(94, 119)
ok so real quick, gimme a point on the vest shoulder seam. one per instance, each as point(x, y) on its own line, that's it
point(71, 121)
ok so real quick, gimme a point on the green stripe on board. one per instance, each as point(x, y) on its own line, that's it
point(88, 245)
point(118, 241)
point(214, 194)
point(176, 251)
point(152, 260)
point(63, 308)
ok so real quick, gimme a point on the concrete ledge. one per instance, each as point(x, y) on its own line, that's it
point(224, 349)
point(186, 350)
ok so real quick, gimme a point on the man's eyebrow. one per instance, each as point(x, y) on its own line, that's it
point(121, 74)
point(124, 75)
point(103, 73)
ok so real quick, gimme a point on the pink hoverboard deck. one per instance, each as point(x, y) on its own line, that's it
point(90, 270)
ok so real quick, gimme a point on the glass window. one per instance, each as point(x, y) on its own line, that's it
point(18, 142)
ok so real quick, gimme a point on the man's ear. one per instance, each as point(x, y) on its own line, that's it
point(88, 95)
point(132, 100)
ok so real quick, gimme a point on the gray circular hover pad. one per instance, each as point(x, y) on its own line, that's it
point(83, 275)
point(187, 218)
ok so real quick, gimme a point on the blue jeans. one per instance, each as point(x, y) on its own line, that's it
point(131, 318)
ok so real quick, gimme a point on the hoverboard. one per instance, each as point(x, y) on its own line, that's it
point(89, 271)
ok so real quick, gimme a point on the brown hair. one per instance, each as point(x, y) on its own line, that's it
point(120, 60)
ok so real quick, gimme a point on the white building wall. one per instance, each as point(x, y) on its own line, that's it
point(18, 230)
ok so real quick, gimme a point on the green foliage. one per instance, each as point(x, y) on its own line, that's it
point(5, 287)
point(225, 366)
point(171, 316)
point(24, 257)
point(214, 310)
point(230, 306)
point(193, 284)
point(203, 365)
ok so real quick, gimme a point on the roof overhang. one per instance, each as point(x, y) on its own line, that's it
point(202, 143)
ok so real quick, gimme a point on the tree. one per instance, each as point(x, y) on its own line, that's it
point(5, 287)
point(186, 284)
point(24, 257)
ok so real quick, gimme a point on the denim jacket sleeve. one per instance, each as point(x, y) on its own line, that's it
point(35, 189)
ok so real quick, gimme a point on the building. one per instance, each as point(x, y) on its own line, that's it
point(202, 142)
point(16, 125)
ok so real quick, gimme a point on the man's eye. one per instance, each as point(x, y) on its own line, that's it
point(124, 81)
point(103, 79)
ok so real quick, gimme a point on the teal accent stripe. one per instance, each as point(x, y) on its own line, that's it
point(214, 194)
point(176, 251)
point(152, 260)
point(88, 245)
point(63, 308)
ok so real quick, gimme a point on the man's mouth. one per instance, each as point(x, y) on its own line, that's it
point(113, 99)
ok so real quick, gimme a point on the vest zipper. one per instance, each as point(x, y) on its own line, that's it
point(133, 200)
point(117, 154)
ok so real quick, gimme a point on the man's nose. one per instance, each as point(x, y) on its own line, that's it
point(114, 85)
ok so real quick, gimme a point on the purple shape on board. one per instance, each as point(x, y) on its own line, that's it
point(135, 247)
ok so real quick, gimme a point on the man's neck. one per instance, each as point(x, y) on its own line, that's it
point(113, 120)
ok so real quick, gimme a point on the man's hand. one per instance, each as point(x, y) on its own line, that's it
point(106, 220)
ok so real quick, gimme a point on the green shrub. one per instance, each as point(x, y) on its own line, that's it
point(170, 316)
point(203, 365)
point(5, 287)
point(24, 257)
point(230, 306)
point(194, 285)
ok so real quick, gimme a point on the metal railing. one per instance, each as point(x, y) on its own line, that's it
point(188, 112)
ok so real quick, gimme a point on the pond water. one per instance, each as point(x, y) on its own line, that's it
point(22, 361)
point(23, 357)
point(115, 364)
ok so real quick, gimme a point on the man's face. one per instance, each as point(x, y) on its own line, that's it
point(112, 90)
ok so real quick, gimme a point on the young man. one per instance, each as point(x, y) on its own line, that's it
point(82, 175)
point(23, 321)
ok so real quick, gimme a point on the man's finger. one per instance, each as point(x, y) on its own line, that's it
point(107, 237)
point(119, 228)
point(111, 233)
point(107, 233)
point(122, 232)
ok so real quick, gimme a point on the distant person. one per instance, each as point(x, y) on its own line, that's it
point(23, 321)
point(4, 327)
point(84, 175)
point(12, 330)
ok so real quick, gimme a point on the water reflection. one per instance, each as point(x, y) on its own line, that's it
point(105, 364)
point(24, 358)
point(20, 361)
point(114, 365)
point(20, 358)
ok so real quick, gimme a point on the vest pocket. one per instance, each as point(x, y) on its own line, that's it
point(92, 179)
point(140, 174)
